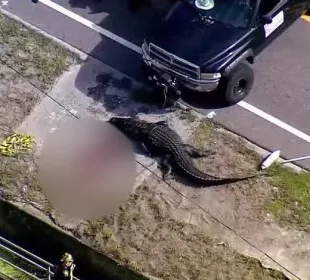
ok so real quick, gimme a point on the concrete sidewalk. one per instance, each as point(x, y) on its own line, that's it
point(95, 90)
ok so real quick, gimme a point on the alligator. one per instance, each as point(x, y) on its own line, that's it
point(166, 146)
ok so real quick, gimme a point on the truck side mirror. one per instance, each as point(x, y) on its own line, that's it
point(266, 19)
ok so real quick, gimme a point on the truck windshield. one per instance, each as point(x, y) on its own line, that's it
point(237, 13)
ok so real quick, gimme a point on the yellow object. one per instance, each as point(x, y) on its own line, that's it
point(66, 258)
point(16, 144)
point(306, 18)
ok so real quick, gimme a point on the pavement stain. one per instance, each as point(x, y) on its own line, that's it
point(123, 83)
point(116, 94)
point(153, 96)
point(100, 92)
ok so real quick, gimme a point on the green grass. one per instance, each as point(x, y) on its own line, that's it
point(12, 272)
point(33, 55)
point(203, 132)
point(291, 201)
point(187, 115)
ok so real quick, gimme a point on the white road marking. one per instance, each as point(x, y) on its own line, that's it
point(137, 49)
point(274, 120)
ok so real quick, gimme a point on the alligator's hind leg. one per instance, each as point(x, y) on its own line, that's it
point(165, 167)
point(197, 153)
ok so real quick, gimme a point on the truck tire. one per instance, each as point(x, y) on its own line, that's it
point(238, 83)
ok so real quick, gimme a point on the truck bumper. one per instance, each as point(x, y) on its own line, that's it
point(187, 82)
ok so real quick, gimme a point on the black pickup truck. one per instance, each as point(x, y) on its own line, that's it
point(210, 45)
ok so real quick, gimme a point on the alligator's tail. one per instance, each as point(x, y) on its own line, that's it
point(216, 181)
point(203, 179)
point(221, 181)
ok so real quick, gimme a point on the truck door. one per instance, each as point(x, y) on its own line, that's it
point(277, 10)
point(266, 33)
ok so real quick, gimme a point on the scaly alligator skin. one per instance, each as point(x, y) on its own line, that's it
point(167, 147)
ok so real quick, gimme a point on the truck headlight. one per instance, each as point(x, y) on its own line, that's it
point(210, 76)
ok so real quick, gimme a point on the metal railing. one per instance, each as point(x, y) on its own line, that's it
point(26, 262)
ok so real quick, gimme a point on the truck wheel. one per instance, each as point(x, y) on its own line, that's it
point(238, 84)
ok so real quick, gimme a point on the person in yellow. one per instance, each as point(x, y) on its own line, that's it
point(65, 270)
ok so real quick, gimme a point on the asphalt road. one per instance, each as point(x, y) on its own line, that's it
point(281, 89)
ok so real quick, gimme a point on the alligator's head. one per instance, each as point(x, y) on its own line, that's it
point(127, 125)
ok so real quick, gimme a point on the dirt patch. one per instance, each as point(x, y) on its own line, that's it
point(35, 57)
point(231, 152)
point(147, 236)
point(17, 98)
point(285, 194)
point(19, 183)
point(26, 59)
point(232, 159)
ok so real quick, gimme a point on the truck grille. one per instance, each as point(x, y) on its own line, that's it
point(174, 63)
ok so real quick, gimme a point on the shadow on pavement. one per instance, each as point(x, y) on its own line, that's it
point(203, 100)
point(118, 19)
point(115, 16)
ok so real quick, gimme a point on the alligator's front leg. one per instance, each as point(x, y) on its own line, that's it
point(145, 149)
point(197, 153)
